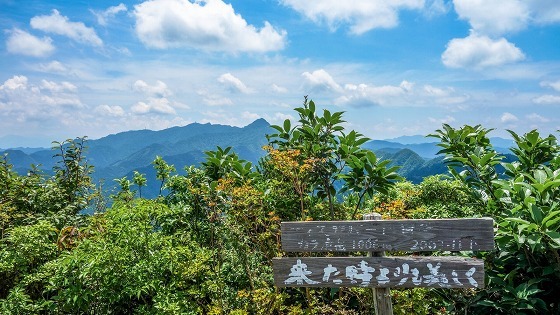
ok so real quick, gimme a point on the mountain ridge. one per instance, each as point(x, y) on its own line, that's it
point(118, 155)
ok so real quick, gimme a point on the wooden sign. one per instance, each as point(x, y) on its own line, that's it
point(389, 235)
point(379, 272)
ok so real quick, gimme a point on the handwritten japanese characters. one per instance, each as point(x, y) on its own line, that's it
point(388, 235)
point(404, 272)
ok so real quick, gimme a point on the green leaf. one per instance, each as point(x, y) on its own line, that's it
point(518, 220)
point(536, 214)
point(540, 176)
point(551, 219)
point(287, 125)
point(554, 236)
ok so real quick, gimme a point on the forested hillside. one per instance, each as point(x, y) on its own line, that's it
point(204, 244)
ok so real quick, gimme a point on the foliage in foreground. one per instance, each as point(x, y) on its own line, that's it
point(524, 271)
point(205, 245)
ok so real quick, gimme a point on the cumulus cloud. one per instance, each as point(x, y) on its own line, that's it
point(57, 87)
point(498, 17)
point(61, 25)
point(361, 16)
point(15, 83)
point(157, 101)
point(154, 105)
point(282, 117)
point(508, 118)
point(210, 25)
point(490, 21)
point(103, 16)
point(364, 95)
point(495, 17)
point(234, 83)
point(320, 80)
point(21, 100)
point(108, 110)
point(444, 95)
point(547, 99)
point(160, 89)
point(479, 51)
point(22, 43)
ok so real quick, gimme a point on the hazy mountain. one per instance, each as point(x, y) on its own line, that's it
point(118, 155)
point(426, 150)
point(23, 143)
point(416, 139)
point(427, 147)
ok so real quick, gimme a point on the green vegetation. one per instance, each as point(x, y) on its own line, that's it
point(205, 244)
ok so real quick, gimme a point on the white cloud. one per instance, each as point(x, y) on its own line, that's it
point(278, 89)
point(499, 17)
point(58, 87)
point(478, 51)
point(110, 12)
point(61, 25)
point(22, 43)
point(53, 67)
point(445, 120)
point(320, 80)
point(154, 105)
point(282, 117)
point(433, 8)
point(160, 89)
point(554, 85)
point(214, 99)
point(361, 16)
point(108, 110)
point(234, 83)
point(250, 116)
point(536, 118)
point(495, 17)
point(23, 101)
point(434, 91)
point(509, 118)
point(545, 11)
point(364, 95)
point(222, 117)
point(204, 24)
point(444, 95)
point(157, 101)
point(547, 99)
point(15, 83)
point(489, 21)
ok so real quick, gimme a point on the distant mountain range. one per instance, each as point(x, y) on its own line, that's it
point(118, 155)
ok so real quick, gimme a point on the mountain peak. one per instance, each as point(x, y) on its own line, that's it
point(259, 123)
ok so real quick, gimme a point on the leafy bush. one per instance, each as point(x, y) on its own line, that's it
point(523, 274)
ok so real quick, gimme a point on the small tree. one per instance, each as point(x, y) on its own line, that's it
point(323, 140)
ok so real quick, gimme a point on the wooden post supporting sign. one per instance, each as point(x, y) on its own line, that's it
point(381, 296)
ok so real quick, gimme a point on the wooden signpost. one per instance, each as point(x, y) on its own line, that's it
point(384, 272)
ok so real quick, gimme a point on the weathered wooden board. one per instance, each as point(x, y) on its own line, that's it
point(379, 272)
point(387, 235)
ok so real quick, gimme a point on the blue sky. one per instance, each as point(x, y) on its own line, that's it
point(401, 67)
